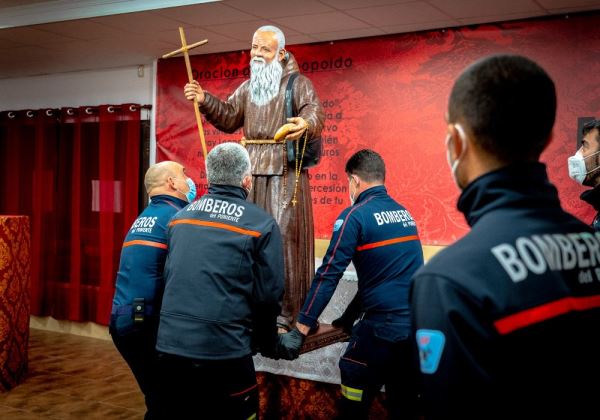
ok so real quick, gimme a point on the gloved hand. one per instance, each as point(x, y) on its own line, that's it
point(271, 351)
point(289, 344)
point(265, 339)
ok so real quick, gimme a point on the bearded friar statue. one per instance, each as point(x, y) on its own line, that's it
point(280, 181)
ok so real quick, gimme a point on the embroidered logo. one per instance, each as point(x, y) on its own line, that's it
point(431, 346)
point(338, 224)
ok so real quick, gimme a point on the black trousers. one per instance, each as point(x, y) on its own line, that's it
point(138, 348)
point(207, 389)
point(379, 353)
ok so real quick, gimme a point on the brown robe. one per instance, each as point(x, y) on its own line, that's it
point(273, 177)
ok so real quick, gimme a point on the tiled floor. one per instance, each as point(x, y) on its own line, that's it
point(73, 377)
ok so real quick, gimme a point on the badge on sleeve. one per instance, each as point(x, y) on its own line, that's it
point(431, 346)
point(338, 224)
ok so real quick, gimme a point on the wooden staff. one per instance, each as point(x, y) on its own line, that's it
point(184, 49)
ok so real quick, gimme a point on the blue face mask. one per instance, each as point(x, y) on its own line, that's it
point(191, 194)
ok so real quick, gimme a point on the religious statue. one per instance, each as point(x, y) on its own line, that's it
point(280, 183)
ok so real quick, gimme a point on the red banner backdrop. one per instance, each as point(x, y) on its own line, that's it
point(390, 94)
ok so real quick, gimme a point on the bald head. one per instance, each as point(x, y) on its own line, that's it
point(166, 177)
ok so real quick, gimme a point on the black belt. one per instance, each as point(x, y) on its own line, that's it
point(128, 310)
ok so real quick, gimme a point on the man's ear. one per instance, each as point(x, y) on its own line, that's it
point(247, 182)
point(171, 183)
point(458, 140)
point(282, 55)
point(451, 141)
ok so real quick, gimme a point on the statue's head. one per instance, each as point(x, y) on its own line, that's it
point(268, 43)
point(266, 64)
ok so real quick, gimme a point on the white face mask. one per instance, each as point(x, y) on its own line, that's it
point(191, 193)
point(577, 169)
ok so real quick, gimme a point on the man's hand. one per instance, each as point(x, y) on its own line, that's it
point(193, 91)
point(300, 126)
point(290, 344)
point(345, 324)
point(350, 315)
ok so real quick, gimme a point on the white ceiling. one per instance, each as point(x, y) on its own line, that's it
point(138, 38)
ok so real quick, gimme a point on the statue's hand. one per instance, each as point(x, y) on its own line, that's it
point(193, 91)
point(297, 129)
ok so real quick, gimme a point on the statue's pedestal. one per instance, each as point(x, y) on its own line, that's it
point(319, 362)
point(14, 299)
point(308, 387)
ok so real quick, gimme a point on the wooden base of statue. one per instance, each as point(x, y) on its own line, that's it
point(325, 335)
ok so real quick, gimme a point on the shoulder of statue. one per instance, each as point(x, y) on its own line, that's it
point(303, 81)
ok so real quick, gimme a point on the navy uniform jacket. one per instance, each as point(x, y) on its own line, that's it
point(507, 319)
point(142, 261)
point(224, 278)
point(593, 197)
point(381, 239)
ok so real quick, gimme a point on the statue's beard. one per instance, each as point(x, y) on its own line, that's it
point(264, 80)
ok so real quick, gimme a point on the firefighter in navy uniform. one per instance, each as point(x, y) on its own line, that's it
point(584, 167)
point(139, 285)
point(380, 237)
point(507, 319)
point(224, 285)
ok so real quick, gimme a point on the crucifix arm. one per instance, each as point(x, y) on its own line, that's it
point(184, 49)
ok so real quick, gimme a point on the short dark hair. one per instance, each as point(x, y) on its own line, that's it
point(509, 103)
point(591, 126)
point(367, 164)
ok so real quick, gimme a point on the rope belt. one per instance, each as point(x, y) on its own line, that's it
point(244, 142)
point(299, 158)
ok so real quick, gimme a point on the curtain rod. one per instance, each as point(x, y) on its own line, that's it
point(71, 110)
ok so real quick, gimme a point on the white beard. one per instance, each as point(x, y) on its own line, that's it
point(264, 80)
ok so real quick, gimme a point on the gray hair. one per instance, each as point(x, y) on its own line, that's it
point(279, 36)
point(227, 164)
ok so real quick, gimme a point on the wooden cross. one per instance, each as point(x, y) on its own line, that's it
point(184, 49)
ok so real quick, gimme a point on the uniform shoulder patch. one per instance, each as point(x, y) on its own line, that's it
point(431, 346)
point(338, 224)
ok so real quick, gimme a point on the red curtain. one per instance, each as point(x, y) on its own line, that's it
point(74, 171)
